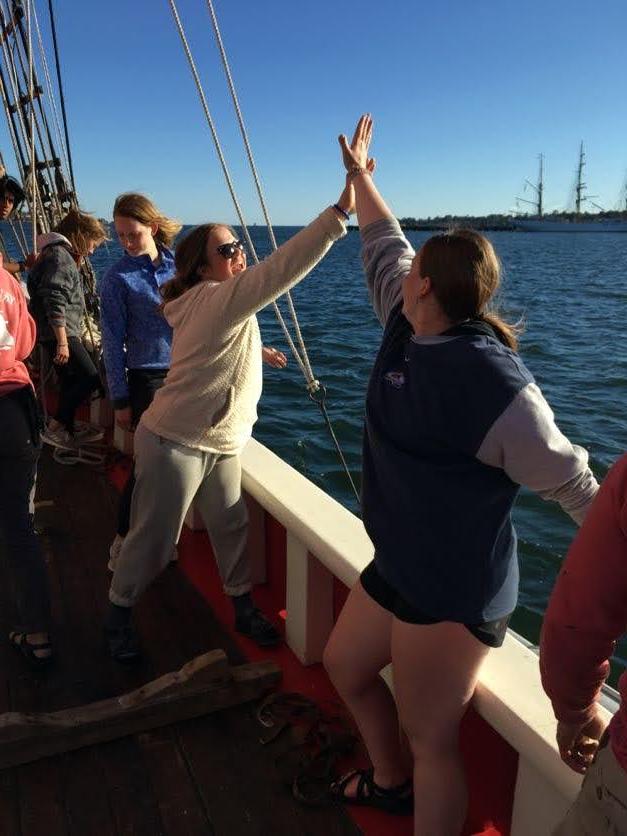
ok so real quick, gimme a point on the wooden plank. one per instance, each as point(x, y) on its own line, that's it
point(9, 804)
point(228, 762)
point(180, 804)
point(42, 812)
point(129, 790)
point(83, 792)
point(27, 737)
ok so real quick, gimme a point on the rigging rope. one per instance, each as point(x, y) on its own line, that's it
point(61, 94)
point(46, 189)
point(44, 63)
point(316, 392)
point(15, 109)
point(309, 377)
point(33, 162)
point(225, 170)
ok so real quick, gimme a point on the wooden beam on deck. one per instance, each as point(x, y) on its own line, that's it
point(202, 686)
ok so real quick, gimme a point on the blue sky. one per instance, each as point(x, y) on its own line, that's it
point(464, 94)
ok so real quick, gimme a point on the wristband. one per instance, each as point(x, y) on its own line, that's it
point(354, 170)
point(342, 211)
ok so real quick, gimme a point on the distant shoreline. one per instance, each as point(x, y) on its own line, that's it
point(496, 223)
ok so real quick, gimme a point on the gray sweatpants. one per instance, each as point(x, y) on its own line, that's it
point(169, 477)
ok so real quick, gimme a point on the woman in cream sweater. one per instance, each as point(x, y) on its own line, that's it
point(188, 442)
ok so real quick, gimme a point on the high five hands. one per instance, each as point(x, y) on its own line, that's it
point(355, 156)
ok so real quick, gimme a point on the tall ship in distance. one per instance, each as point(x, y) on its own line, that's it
point(577, 221)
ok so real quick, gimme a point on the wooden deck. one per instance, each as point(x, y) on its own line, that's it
point(204, 776)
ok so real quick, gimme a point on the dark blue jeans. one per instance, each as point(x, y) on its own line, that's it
point(142, 385)
point(19, 450)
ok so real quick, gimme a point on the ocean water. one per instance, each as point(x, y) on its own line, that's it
point(571, 292)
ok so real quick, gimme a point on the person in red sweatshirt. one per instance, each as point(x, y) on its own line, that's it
point(587, 614)
point(20, 443)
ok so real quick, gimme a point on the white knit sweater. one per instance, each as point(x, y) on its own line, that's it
point(209, 400)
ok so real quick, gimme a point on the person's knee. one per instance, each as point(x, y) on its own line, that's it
point(347, 677)
point(431, 740)
point(227, 523)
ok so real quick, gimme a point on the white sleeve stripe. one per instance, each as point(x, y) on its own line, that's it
point(526, 443)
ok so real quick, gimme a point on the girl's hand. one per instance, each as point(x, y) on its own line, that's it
point(62, 354)
point(356, 154)
point(273, 357)
point(347, 198)
point(124, 419)
point(579, 744)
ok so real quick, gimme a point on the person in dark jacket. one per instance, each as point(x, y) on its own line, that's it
point(58, 305)
point(454, 425)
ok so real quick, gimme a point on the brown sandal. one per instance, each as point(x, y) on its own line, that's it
point(396, 800)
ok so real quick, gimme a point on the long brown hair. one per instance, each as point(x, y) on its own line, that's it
point(465, 274)
point(142, 209)
point(81, 229)
point(190, 256)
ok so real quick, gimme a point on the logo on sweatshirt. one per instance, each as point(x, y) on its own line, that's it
point(397, 379)
point(6, 340)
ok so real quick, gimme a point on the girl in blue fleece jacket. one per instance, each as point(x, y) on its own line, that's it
point(136, 339)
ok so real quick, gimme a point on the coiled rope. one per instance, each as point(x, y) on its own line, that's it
point(317, 392)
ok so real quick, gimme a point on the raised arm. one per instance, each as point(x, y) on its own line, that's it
point(369, 204)
point(387, 255)
point(257, 286)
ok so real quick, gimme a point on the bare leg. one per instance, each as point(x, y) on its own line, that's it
point(359, 648)
point(436, 667)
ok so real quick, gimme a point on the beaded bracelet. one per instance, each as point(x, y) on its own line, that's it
point(342, 211)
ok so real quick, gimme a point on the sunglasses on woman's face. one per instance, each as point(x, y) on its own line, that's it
point(229, 250)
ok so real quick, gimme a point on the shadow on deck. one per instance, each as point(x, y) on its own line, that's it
point(203, 776)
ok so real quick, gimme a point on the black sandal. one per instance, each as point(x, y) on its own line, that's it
point(29, 651)
point(398, 801)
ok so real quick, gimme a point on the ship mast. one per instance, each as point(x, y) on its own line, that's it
point(579, 188)
point(538, 188)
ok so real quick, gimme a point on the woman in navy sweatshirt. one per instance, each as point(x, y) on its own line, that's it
point(454, 425)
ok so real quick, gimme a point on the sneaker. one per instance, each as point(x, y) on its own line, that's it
point(123, 643)
point(114, 552)
point(256, 626)
point(86, 434)
point(59, 438)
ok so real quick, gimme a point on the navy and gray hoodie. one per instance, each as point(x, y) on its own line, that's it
point(55, 288)
point(455, 424)
point(135, 334)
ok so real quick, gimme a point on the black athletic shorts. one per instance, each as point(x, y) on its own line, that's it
point(490, 633)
